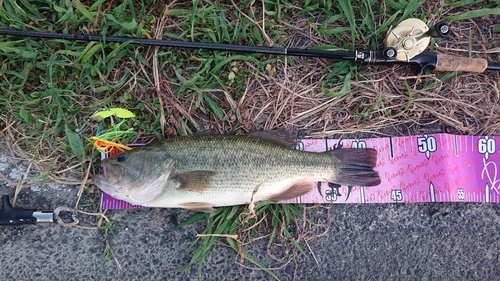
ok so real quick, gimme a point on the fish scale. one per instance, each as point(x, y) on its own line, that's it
point(253, 163)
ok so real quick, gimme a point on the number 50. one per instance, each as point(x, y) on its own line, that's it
point(427, 144)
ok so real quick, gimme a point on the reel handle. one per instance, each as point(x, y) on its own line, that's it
point(439, 30)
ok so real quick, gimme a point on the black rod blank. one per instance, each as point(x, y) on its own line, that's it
point(183, 44)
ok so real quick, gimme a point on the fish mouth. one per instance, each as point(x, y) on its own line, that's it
point(98, 180)
point(101, 182)
point(109, 181)
point(112, 172)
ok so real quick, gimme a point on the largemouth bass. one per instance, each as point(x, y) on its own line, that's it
point(202, 172)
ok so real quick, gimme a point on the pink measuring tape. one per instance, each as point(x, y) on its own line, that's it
point(428, 168)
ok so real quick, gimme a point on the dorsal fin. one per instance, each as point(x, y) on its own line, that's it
point(279, 136)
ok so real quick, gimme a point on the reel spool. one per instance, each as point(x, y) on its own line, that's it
point(412, 36)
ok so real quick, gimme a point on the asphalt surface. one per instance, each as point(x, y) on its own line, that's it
point(435, 241)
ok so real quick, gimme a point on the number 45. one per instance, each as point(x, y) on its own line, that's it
point(396, 195)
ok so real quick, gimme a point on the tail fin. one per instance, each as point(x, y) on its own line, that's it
point(356, 166)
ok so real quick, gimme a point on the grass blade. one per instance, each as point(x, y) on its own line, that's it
point(75, 142)
point(346, 8)
point(474, 14)
point(191, 220)
point(251, 258)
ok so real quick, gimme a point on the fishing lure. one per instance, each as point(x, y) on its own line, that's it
point(106, 141)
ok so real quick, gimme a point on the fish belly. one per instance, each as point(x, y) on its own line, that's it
point(226, 193)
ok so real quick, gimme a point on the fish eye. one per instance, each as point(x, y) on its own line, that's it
point(122, 157)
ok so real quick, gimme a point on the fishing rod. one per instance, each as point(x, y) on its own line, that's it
point(404, 44)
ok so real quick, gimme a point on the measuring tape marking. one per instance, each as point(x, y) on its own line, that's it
point(425, 168)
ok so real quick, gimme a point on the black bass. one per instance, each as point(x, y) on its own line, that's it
point(206, 171)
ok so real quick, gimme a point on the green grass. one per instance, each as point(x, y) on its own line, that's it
point(229, 224)
point(50, 88)
point(62, 72)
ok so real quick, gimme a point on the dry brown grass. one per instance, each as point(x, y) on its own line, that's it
point(466, 104)
point(383, 101)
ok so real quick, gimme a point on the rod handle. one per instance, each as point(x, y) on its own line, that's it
point(454, 63)
point(13, 216)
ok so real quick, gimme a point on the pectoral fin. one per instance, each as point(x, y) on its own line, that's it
point(198, 207)
point(196, 181)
